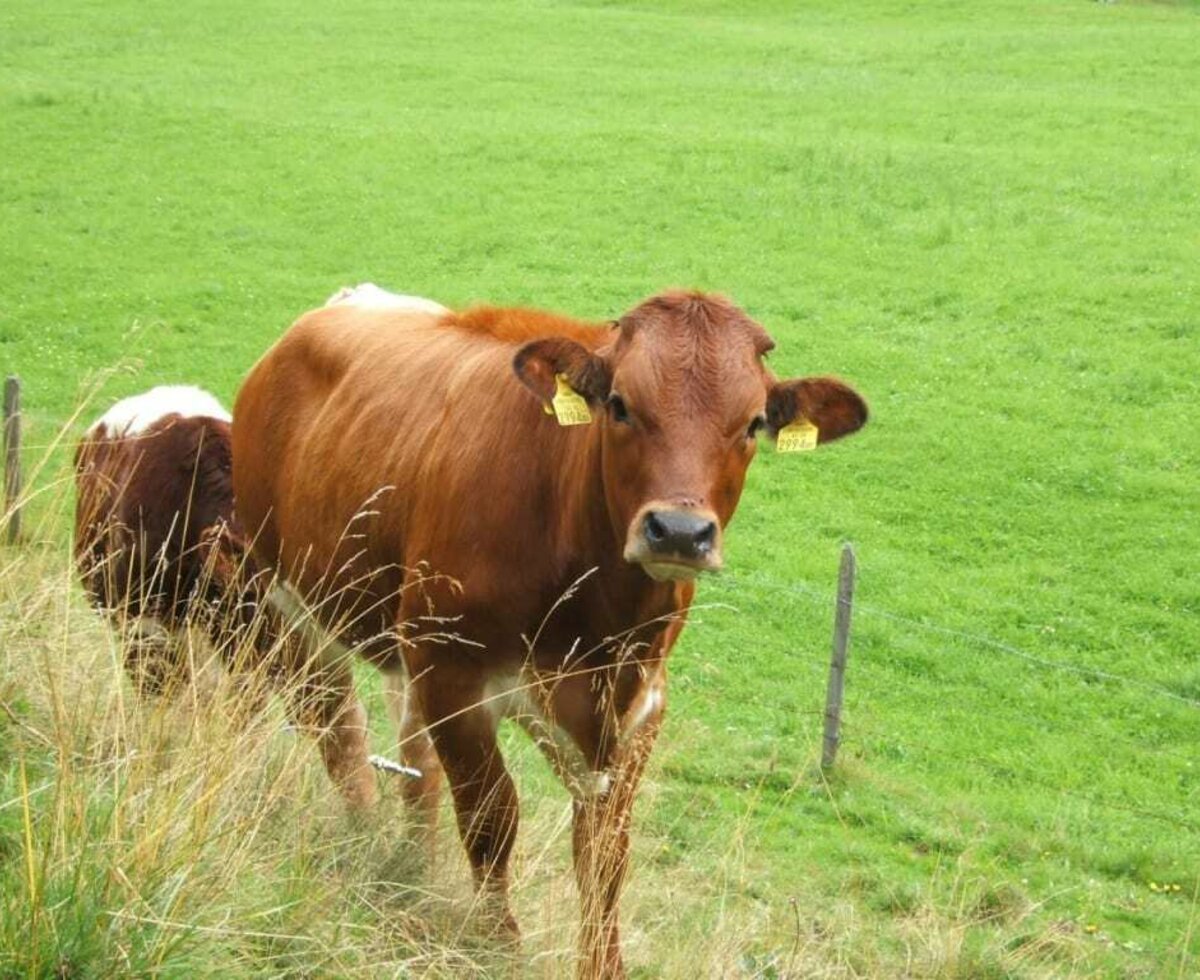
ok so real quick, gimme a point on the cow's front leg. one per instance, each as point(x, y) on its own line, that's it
point(463, 728)
point(600, 839)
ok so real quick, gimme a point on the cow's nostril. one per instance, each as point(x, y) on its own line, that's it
point(705, 537)
point(654, 530)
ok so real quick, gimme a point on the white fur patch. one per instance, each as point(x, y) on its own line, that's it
point(369, 296)
point(146, 630)
point(137, 413)
point(648, 703)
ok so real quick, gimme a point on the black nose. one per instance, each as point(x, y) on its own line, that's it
point(679, 533)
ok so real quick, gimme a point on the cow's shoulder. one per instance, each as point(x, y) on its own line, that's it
point(516, 325)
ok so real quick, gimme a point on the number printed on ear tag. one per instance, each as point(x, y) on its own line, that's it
point(570, 407)
point(798, 437)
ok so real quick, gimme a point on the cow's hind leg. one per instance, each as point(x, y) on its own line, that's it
point(485, 799)
point(318, 685)
point(322, 701)
point(416, 749)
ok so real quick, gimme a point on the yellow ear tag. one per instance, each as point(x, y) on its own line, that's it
point(798, 437)
point(570, 407)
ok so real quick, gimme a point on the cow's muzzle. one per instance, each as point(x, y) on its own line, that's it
point(674, 543)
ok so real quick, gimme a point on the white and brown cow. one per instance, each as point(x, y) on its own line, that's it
point(155, 539)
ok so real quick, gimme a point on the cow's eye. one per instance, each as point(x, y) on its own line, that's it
point(616, 405)
point(757, 424)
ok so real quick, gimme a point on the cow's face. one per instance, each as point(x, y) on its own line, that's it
point(683, 396)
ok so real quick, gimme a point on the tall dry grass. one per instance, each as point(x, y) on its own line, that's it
point(198, 835)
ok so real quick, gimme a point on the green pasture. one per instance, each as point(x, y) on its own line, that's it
point(985, 215)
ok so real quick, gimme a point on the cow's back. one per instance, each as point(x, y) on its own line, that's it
point(368, 443)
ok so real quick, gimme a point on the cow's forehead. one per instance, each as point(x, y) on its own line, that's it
point(691, 348)
point(692, 319)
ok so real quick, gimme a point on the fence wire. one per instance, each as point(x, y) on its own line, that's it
point(998, 770)
point(816, 595)
point(855, 734)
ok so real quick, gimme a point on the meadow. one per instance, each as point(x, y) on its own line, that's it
point(984, 215)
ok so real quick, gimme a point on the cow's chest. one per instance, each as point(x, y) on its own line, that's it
point(581, 737)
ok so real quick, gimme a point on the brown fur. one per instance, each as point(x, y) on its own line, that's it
point(143, 504)
point(370, 446)
point(155, 537)
point(516, 325)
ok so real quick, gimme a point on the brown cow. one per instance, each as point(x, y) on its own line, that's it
point(154, 537)
point(375, 447)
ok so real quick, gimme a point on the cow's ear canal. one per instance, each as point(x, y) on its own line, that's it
point(538, 362)
point(831, 405)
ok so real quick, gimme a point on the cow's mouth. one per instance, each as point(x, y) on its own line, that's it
point(677, 571)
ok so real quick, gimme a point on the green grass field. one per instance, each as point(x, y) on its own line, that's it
point(986, 215)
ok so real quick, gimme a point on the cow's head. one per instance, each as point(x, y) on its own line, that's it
point(683, 394)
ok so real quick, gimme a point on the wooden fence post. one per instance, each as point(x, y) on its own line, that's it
point(12, 455)
point(837, 663)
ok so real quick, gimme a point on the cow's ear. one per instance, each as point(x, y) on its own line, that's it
point(537, 363)
point(832, 406)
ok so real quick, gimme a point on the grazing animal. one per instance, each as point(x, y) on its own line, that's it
point(395, 464)
point(155, 540)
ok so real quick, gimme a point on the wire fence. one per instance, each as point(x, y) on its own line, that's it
point(827, 597)
point(870, 739)
point(856, 733)
point(1028, 775)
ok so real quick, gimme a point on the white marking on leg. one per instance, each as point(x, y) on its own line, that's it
point(396, 695)
point(147, 629)
point(137, 413)
point(648, 703)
